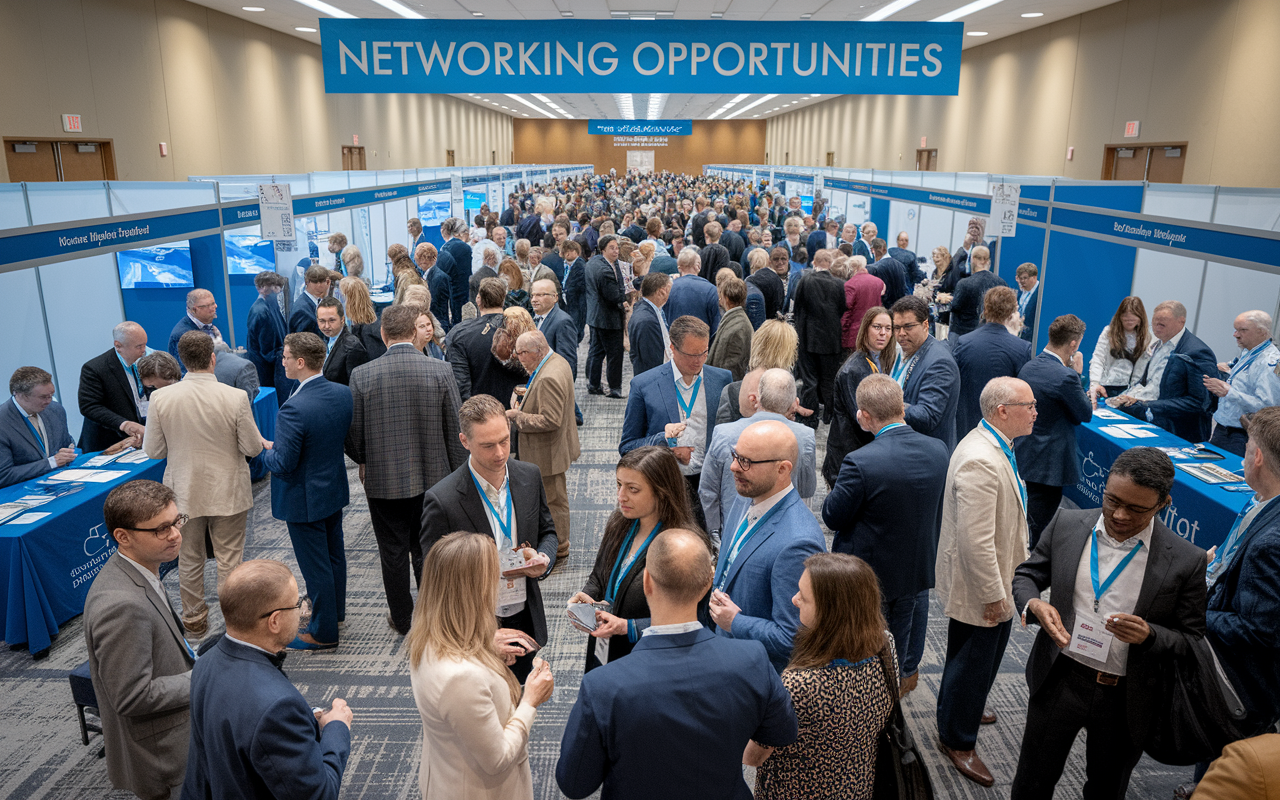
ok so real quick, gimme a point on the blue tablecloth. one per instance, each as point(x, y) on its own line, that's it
point(46, 567)
point(265, 409)
point(1201, 513)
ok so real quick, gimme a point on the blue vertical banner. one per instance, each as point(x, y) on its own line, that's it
point(371, 56)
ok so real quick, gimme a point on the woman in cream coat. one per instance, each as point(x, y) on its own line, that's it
point(475, 723)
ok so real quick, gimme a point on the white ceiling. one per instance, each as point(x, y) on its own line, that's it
point(1001, 18)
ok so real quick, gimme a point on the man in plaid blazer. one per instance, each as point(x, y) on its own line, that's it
point(404, 436)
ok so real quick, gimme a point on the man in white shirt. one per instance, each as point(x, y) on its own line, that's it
point(1251, 383)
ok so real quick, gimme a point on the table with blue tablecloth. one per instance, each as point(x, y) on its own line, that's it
point(1201, 513)
point(265, 409)
point(47, 566)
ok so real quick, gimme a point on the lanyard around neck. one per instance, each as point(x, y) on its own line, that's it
point(687, 408)
point(740, 539)
point(622, 564)
point(1013, 462)
point(1099, 589)
point(504, 525)
point(1249, 358)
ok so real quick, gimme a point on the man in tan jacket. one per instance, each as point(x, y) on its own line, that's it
point(205, 429)
point(984, 538)
point(548, 431)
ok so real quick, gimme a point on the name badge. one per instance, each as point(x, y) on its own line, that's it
point(511, 591)
point(143, 404)
point(1090, 638)
point(602, 650)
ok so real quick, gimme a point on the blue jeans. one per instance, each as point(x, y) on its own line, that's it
point(908, 619)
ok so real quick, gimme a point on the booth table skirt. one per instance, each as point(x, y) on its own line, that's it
point(1201, 513)
point(265, 408)
point(46, 567)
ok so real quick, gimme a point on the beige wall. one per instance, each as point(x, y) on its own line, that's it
point(566, 141)
point(228, 96)
point(1206, 72)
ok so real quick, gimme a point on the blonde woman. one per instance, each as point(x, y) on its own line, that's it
point(420, 294)
point(362, 316)
point(776, 345)
point(475, 721)
point(353, 262)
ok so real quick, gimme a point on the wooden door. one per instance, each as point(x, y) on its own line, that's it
point(448, 158)
point(1130, 164)
point(927, 160)
point(831, 159)
point(82, 161)
point(30, 161)
point(352, 157)
point(1166, 163)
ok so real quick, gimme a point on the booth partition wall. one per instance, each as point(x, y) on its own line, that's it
point(78, 258)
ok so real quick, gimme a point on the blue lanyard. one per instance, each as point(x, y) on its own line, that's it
point(1100, 590)
point(505, 527)
point(890, 427)
point(687, 408)
point(1243, 364)
point(740, 538)
point(132, 370)
point(1023, 299)
point(34, 432)
point(1013, 462)
point(1228, 549)
point(901, 367)
point(536, 370)
point(621, 569)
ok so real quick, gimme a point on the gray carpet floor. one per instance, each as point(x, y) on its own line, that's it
point(41, 755)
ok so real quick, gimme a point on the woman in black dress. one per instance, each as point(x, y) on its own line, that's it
point(651, 497)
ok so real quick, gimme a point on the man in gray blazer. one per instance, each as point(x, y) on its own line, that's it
point(139, 661)
point(236, 370)
point(404, 435)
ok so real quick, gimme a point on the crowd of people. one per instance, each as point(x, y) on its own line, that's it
point(719, 630)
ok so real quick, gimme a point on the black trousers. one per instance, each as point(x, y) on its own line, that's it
point(818, 373)
point(605, 344)
point(973, 659)
point(1230, 439)
point(1071, 699)
point(397, 525)
point(522, 620)
point(1042, 503)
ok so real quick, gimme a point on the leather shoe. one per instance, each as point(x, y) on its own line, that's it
point(908, 683)
point(392, 624)
point(969, 765)
point(594, 390)
point(299, 643)
point(988, 717)
point(614, 394)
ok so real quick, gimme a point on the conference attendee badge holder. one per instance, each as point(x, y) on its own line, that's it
point(511, 591)
point(602, 650)
point(1090, 637)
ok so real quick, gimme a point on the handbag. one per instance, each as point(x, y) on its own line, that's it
point(900, 770)
point(1203, 713)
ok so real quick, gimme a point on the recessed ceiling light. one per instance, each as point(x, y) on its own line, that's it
point(252, 8)
point(399, 8)
point(806, 16)
point(1033, 14)
point(717, 15)
point(477, 13)
point(306, 30)
point(975, 33)
point(563, 14)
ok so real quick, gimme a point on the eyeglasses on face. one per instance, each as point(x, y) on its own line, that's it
point(746, 463)
point(881, 328)
point(908, 327)
point(1110, 502)
point(301, 606)
point(703, 354)
point(166, 530)
point(1031, 405)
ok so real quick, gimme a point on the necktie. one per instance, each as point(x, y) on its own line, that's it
point(277, 661)
point(537, 321)
point(35, 426)
point(207, 329)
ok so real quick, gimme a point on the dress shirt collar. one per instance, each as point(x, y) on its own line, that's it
point(243, 643)
point(760, 507)
point(489, 488)
point(1172, 343)
point(152, 578)
point(397, 344)
point(1143, 536)
point(672, 629)
point(22, 411)
point(680, 384)
point(1055, 355)
point(305, 381)
point(200, 325)
point(656, 310)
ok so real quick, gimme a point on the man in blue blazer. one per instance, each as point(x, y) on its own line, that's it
point(986, 353)
point(647, 329)
point(267, 330)
point(768, 533)
point(1171, 392)
point(825, 238)
point(309, 484)
point(674, 405)
point(574, 297)
point(33, 428)
point(692, 295)
point(303, 317)
point(1028, 298)
point(253, 734)
point(1047, 459)
point(886, 508)
point(644, 727)
point(927, 373)
point(202, 310)
point(454, 231)
point(438, 281)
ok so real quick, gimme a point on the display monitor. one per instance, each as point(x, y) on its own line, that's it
point(161, 266)
point(433, 209)
point(248, 253)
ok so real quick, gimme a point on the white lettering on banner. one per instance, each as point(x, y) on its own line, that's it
point(98, 237)
point(611, 62)
point(1186, 528)
point(1149, 233)
point(640, 141)
point(635, 58)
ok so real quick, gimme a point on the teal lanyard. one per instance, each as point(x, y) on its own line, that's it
point(620, 569)
point(901, 367)
point(1243, 364)
point(132, 370)
point(536, 370)
point(1228, 549)
point(1100, 589)
point(687, 408)
point(740, 538)
point(1013, 462)
point(890, 427)
point(504, 526)
point(35, 433)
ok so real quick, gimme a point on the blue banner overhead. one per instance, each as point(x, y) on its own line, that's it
point(448, 56)
point(640, 127)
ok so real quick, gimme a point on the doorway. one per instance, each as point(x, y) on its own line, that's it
point(352, 157)
point(448, 158)
point(831, 159)
point(927, 160)
point(1161, 162)
point(32, 160)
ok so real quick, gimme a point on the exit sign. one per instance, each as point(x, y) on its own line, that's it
point(1131, 130)
point(71, 123)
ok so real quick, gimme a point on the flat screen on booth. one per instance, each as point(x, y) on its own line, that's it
point(161, 266)
point(434, 209)
point(248, 253)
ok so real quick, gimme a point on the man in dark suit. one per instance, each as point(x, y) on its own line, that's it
point(714, 255)
point(927, 373)
point(343, 350)
point(692, 295)
point(469, 349)
point(1047, 458)
point(202, 310)
point(1171, 391)
point(253, 734)
point(886, 508)
point(825, 238)
point(552, 259)
point(966, 304)
point(557, 326)
point(770, 281)
point(819, 304)
point(33, 429)
point(458, 266)
point(267, 330)
point(890, 271)
point(512, 511)
point(907, 259)
point(1028, 297)
point(112, 399)
point(1103, 651)
point(606, 310)
point(316, 287)
point(139, 662)
point(309, 484)
point(986, 353)
point(511, 214)
point(236, 371)
point(647, 329)
point(642, 725)
point(438, 282)
point(404, 436)
point(573, 297)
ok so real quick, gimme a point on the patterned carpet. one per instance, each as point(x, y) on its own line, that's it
point(41, 755)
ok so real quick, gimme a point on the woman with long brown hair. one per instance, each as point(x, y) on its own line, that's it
point(837, 680)
point(875, 351)
point(362, 316)
point(652, 496)
point(475, 720)
point(1121, 352)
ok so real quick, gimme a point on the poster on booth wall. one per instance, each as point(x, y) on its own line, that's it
point(275, 209)
point(1004, 208)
